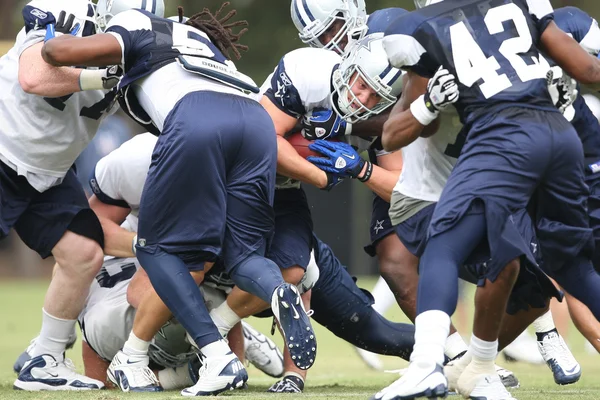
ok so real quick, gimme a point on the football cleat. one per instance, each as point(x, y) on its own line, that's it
point(371, 359)
point(289, 384)
point(564, 367)
point(46, 373)
point(217, 375)
point(419, 380)
point(26, 355)
point(523, 349)
point(508, 378)
point(132, 374)
point(262, 352)
point(298, 333)
point(486, 387)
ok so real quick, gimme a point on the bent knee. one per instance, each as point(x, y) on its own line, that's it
point(293, 274)
point(76, 252)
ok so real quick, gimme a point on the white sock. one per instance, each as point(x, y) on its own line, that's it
point(134, 346)
point(431, 331)
point(484, 354)
point(383, 296)
point(544, 323)
point(175, 378)
point(54, 336)
point(216, 349)
point(224, 318)
point(455, 345)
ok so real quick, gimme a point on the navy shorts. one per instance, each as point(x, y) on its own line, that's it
point(508, 155)
point(413, 231)
point(293, 238)
point(209, 190)
point(588, 129)
point(41, 219)
point(381, 226)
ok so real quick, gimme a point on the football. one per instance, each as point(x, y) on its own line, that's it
point(300, 143)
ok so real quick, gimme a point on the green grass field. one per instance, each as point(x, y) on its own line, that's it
point(337, 374)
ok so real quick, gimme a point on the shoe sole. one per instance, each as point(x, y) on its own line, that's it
point(39, 386)
point(298, 332)
point(438, 392)
point(238, 383)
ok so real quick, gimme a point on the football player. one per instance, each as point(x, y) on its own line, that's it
point(475, 201)
point(48, 115)
point(201, 199)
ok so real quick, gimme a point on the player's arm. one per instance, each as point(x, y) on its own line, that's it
point(118, 242)
point(289, 162)
point(402, 127)
point(385, 174)
point(94, 366)
point(92, 51)
point(570, 56)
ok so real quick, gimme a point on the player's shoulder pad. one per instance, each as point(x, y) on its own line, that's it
point(302, 76)
point(379, 20)
point(402, 49)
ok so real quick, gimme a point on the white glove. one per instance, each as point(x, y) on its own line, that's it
point(100, 79)
point(442, 91)
point(563, 90)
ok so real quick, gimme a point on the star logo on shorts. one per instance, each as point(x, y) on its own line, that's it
point(378, 226)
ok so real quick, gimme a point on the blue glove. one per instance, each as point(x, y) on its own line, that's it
point(322, 124)
point(340, 158)
point(62, 26)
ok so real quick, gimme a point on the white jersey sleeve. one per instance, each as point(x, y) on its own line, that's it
point(428, 162)
point(540, 8)
point(302, 81)
point(39, 12)
point(119, 177)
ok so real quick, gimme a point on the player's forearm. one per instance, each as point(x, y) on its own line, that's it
point(400, 130)
point(370, 127)
point(42, 79)
point(93, 51)
point(290, 164)
point(118, 242)
point(382, 182)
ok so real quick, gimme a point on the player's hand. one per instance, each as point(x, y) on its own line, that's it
point(339, 158)
point(62, 26)
point(442, 90)
point(562, 89)
point(112, 76)
point(323, 123)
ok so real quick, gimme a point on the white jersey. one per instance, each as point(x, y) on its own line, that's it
point(107, 317)
point(428, 162)
point(41, 137)
point(119, 177)
point(182, 63)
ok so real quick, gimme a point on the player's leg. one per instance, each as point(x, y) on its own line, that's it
point(59, 222)
point(584, 321)
point(250, 219)
point(183, 216)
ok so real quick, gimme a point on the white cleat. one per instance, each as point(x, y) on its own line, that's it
point(564, 367)
point(26, 355)
point(262, 352)
point(523, 349)
point(418, 381)
point(132, 374)
point(371, 359)
point(217, 375)
point(486, 387)
point(454, 369)
point(45, 373)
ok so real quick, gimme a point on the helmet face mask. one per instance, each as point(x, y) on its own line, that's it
point(107, 9)
point(425, 3)
point(314, 18)
point(365, 60)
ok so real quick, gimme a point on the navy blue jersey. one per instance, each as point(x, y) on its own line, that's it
point(379, 20)
point(491, 46)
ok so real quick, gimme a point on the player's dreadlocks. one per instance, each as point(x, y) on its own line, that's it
point(218, 30)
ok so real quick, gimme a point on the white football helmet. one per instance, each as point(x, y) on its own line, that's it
point(106, 9)
point(367, 59)
point(425, 3)
point(312, 18)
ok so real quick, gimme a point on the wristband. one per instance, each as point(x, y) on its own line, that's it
point(133, 243)
point(421, 112)
point(368, 172)
point(92, 79)
point(348, 129)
